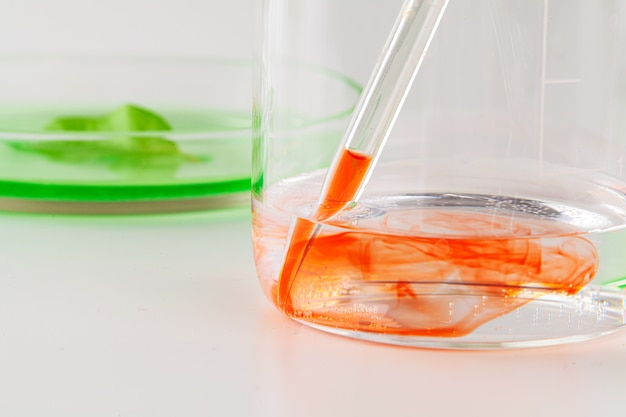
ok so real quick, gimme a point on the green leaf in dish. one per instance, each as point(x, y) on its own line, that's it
point(126, 119)
point(76, 124)
point(131, 118)
point(124, 153)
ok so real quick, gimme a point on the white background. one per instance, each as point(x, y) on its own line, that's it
point(162, 315)
point(185, 27)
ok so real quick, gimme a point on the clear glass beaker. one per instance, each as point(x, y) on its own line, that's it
point(495, 214)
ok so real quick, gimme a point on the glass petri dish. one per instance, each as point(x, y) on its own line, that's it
point(207, 158)
point(201, 161)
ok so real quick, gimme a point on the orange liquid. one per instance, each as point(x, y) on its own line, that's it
point(423, 286)
point(347, 178)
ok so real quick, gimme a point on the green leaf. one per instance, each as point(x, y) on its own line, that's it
point(77, 124)
point(131, 118)
point(140, 153)
point(127, 118)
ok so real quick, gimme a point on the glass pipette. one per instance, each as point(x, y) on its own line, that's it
point(368, 130)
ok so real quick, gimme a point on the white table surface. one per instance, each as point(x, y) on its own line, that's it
point(163, 316)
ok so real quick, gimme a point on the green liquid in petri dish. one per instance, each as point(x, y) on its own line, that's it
point(123, 154)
